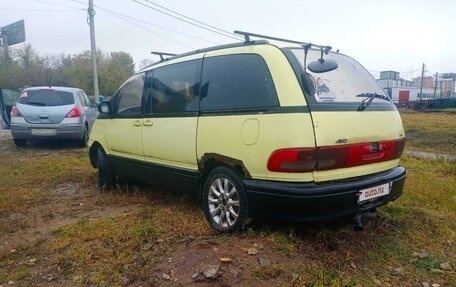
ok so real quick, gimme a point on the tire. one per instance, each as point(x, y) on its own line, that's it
point(106, 175)
point(20, 142)
point(224, 200)
point(85, 138)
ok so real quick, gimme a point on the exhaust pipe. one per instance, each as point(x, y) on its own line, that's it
point(357, 222)
point(358, 219)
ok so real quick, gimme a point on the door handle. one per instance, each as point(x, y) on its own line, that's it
point(137, 123)
point(148, 123)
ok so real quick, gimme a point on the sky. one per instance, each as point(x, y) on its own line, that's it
point(397, 35)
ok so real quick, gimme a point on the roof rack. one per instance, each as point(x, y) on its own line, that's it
point(161, 54)
point(247, 36)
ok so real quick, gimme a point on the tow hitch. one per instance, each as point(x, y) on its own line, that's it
point(358, 219)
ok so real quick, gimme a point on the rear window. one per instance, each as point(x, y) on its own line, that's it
point(46, 98)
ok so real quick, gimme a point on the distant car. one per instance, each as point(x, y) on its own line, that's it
point(52, 113)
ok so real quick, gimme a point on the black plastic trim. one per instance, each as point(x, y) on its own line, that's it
point(157, 174)
point(319, 201)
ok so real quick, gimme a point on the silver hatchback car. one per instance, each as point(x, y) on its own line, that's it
point(52, 113)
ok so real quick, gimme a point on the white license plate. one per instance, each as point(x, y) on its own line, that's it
point(374, 192)
point(44, 132)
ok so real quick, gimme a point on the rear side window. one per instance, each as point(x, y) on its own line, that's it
point(174, 88)
point(130, 96)
point(237, 82)
point(46, 98)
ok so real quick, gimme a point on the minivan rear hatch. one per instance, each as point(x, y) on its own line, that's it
point(358, 130)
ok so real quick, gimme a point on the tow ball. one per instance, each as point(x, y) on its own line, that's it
point(358, 219)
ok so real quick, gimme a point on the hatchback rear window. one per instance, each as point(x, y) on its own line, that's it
point(46, 98)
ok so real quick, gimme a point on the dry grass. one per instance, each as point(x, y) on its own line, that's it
point(434, 132)
point(135, 234)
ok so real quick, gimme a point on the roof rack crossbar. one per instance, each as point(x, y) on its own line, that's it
point(161, 54)
point(247, 36)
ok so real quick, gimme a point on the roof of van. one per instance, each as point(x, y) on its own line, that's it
point(213, 48)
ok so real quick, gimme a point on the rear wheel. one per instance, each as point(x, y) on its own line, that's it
point(20, 142)
point(85, 138)
point(224, 200)
point(106, 175)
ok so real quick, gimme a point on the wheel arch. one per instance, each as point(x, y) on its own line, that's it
point(210, 161)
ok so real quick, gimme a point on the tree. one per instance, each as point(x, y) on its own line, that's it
point(114, 70)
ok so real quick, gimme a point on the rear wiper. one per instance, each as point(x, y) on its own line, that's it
point(369, 97)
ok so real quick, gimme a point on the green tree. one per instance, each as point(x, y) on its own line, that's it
point(114, 70)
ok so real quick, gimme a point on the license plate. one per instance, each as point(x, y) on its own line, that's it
point(374, 192)
point(44, 132)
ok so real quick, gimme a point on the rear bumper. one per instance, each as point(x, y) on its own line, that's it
point(319, 201)
point(62, 131)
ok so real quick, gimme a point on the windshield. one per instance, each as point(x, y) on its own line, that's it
point(340, 85)
point(46, 97)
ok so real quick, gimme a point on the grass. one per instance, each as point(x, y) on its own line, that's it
point(434, 132)
point(133, 235)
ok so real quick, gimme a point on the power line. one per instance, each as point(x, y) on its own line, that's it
point(58, 4)
point(148, 23)
point(189, 18)
point(153, 32)
point(186, 21)
point(40, 10)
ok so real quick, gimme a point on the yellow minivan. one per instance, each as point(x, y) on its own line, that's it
point(256, 129)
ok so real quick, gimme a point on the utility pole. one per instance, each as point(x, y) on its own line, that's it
point(422, 80)
point(435, 85)
point(93, 48)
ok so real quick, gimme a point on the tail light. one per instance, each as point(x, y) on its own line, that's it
point(334, 157)
point(15, 112)
point(75, 112)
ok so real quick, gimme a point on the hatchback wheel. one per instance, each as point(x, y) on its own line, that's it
point(224, 200)
point(20, 142)
point(106, 175)
point(85, 138)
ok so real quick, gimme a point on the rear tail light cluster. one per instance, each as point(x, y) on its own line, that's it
point(76, 112)
point(334, 157)
point(15, 112)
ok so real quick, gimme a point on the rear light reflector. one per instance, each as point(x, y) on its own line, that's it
point(74, 113)
point(334, 157)
point(15, 112)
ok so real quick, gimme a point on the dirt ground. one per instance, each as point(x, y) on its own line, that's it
point(318, 255)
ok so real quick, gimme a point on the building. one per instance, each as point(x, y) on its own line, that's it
point(402, 91)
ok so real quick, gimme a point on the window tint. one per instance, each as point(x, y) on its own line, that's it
point(130, 95)
point(236, 82)
point(46, 97)
point(174, 88)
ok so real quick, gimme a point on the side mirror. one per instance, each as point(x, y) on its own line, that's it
point(104, 108)
point(322, 65)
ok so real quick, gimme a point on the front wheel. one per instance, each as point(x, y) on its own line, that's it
point(224, 200)
point(106, 175)
point(20, 142)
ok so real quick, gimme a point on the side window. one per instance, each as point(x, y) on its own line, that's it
point(174, 88)
point(238, 81)
point(82, 99)
point(128, 101)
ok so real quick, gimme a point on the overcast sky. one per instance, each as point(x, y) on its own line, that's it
point(395, 35)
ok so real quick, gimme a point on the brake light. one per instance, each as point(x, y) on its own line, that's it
point(334, 157)
point(15, 112)
point(74, 113)
point(293, 160)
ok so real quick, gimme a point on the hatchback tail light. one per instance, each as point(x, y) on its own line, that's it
point(15, 112)
point(75, 112)
point(334, 157)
